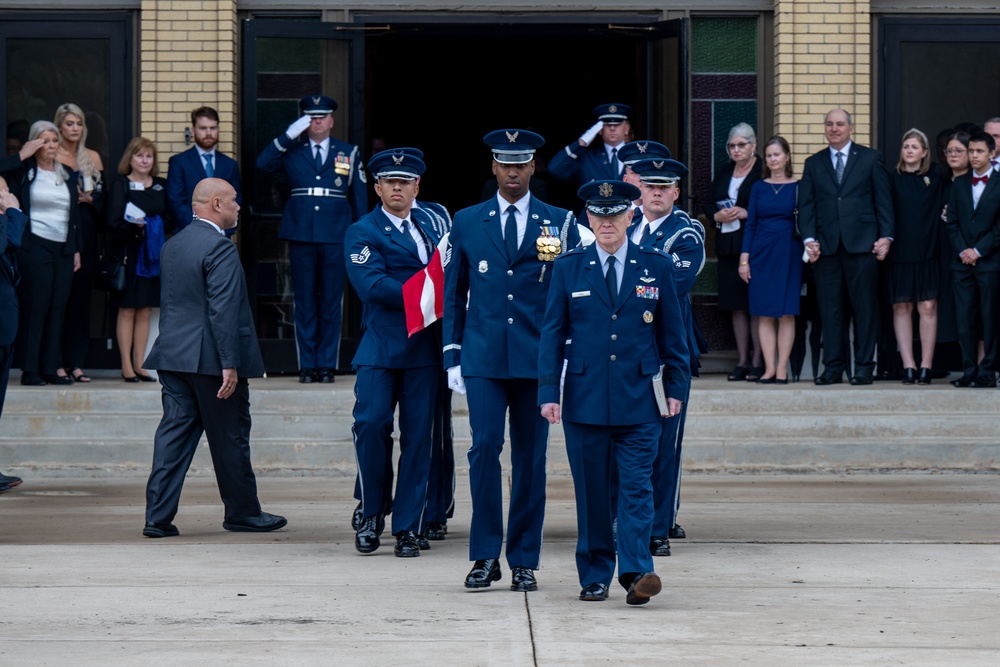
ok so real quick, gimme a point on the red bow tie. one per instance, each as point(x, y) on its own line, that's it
point(976, 180)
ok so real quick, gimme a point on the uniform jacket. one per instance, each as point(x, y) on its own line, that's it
point(311, 219)
point(12, 226)
point(380, 258)
point(185, 170)
point(583, 165)
point(497, 335)
point(612, 354)
point(439, 216)
point(855, 213)
point(20, 181)
point(205, 320)
point(977, 228)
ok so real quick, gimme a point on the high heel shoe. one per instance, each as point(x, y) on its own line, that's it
point(134, 378)
point(925, 376)
point(909, 375)
point(770, 380)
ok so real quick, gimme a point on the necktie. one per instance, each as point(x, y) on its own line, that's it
point(644, 238)
point(839, 167)
point(510, 233)
point(209, 169)
point(614, 162)
point(319, 157)
point(612, 279)
point(976, 180)
point(423, 248)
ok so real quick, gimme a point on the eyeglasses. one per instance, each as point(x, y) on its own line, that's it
point(955, 151)
point(739, 146)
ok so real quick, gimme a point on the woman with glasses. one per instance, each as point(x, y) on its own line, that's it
point(727, 207)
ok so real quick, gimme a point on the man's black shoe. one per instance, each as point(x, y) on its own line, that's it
point(983, 381)
point(422, 542)
point(861, 378)
point(659, 546)
point(829, 377)
point(677, 532)
point(325, 375)
point(483, 573)
point(32, 380)
point(366, 540)
point(307, 375)
point(406, 545)
point(964, 381)
point(356, 516)
point(594, 593)
point(160, 530)
point(263, 523)
point(523, 579)
point(436, 531)
point(644, 586)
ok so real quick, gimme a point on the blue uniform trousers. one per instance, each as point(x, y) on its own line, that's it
point(489, 400)
point(667, 472)
point(318, 275)
point(591, 449)
point(377, 392)
point(441, 482)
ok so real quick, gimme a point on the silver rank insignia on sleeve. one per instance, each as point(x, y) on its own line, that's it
point(361, 257)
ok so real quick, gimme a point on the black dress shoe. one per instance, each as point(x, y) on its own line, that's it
point(677, 532)
point(307, 375)
point(134, 378)
point(366, 539)
point(356, 517)
point(422, 542)
point(263, 523)
point(984, 381)
point(964, 381)
point(829, 377)
point(483, 573)
point(145, 378)
point(594, 593)
point(436, 531)
point(643, 587)
point(58, 379)
point(32, 380)
point(770, 380)
point(909, 375)
point(10, 481)
point(862, 378)
point(325, 375)
point(160, 530)
point(406, 545)
point(924, 377)
point(522, 579)
point(659, 546)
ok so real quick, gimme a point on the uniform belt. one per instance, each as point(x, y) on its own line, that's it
point(316, 192)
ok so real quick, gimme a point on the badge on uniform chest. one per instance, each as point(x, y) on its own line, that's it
point(647, 292)
point(342, 166)
point(548, 244)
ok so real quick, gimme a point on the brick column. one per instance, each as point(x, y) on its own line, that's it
point(822, 58)
point(188, 56)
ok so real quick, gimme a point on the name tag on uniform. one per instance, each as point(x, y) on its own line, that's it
point(647, 292)
point(577, 295)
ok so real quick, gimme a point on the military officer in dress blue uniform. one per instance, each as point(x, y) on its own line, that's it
point(495, 287)
point(660, 224)
point(614, 316)
point(581, 164)
point(382, 251)
point(328, 193)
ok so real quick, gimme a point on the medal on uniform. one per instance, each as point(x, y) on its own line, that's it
point(338, 182)
point(548, 243)
point(483, 266)
point(647, 292)
point(647, 317)
point(342, 165)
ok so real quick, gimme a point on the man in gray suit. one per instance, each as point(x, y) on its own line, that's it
point(206, 336)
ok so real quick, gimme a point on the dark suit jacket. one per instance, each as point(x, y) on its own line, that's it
point(12, 226)
point(977, 228)
point(855, 213)
point(728, 245)
point(205, 320)
point(184, 170)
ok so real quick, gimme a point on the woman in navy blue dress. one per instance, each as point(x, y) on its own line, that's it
point(771, 263)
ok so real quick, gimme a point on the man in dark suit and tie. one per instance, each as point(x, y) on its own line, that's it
point(974, 229)
point(201, 161)
point(614, 316)
point(12, 222)
point(206, 350)
point(846, 219)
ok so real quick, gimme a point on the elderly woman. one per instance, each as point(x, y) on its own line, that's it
point(85, 164)
point(137, 185)
point(727, 206)
point(49, 254)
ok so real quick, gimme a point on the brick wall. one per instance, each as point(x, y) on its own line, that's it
point(188, 58)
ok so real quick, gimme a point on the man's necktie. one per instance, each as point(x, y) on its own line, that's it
point(614, 162)
point(319, 157)
point(423, 248)
point(976, 180)
point(839, 167)
point(209, 168)
point(612, 279)
point(510, 233)
point(644, 238)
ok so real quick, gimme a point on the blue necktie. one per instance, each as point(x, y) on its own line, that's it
point(612, 279)
point(209, 169)
point(510, 233)
point(644, 239)
point(319, 157)
point(614, 163)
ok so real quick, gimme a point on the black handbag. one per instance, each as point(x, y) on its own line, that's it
point(109, 274)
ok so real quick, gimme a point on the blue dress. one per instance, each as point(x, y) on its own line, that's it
point(775, 254)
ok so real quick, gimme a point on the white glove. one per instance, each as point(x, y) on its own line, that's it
point(298, 127)
point(455, 381)
point(589, 135)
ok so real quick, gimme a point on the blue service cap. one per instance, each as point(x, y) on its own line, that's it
point(659, 172)
point(513, 146)
point(394, 163)
point(634, 151)
point(613, 114)
point(607, 198)
point(317, 105)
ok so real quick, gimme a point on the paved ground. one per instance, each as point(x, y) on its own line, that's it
point(778, 570)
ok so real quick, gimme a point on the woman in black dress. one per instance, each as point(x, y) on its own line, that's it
point(914, 261)
point(138, 185)
point(727, 207)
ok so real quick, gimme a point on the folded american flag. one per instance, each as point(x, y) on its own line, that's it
point(423, 294)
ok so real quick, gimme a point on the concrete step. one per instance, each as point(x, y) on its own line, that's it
point(105, 428)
